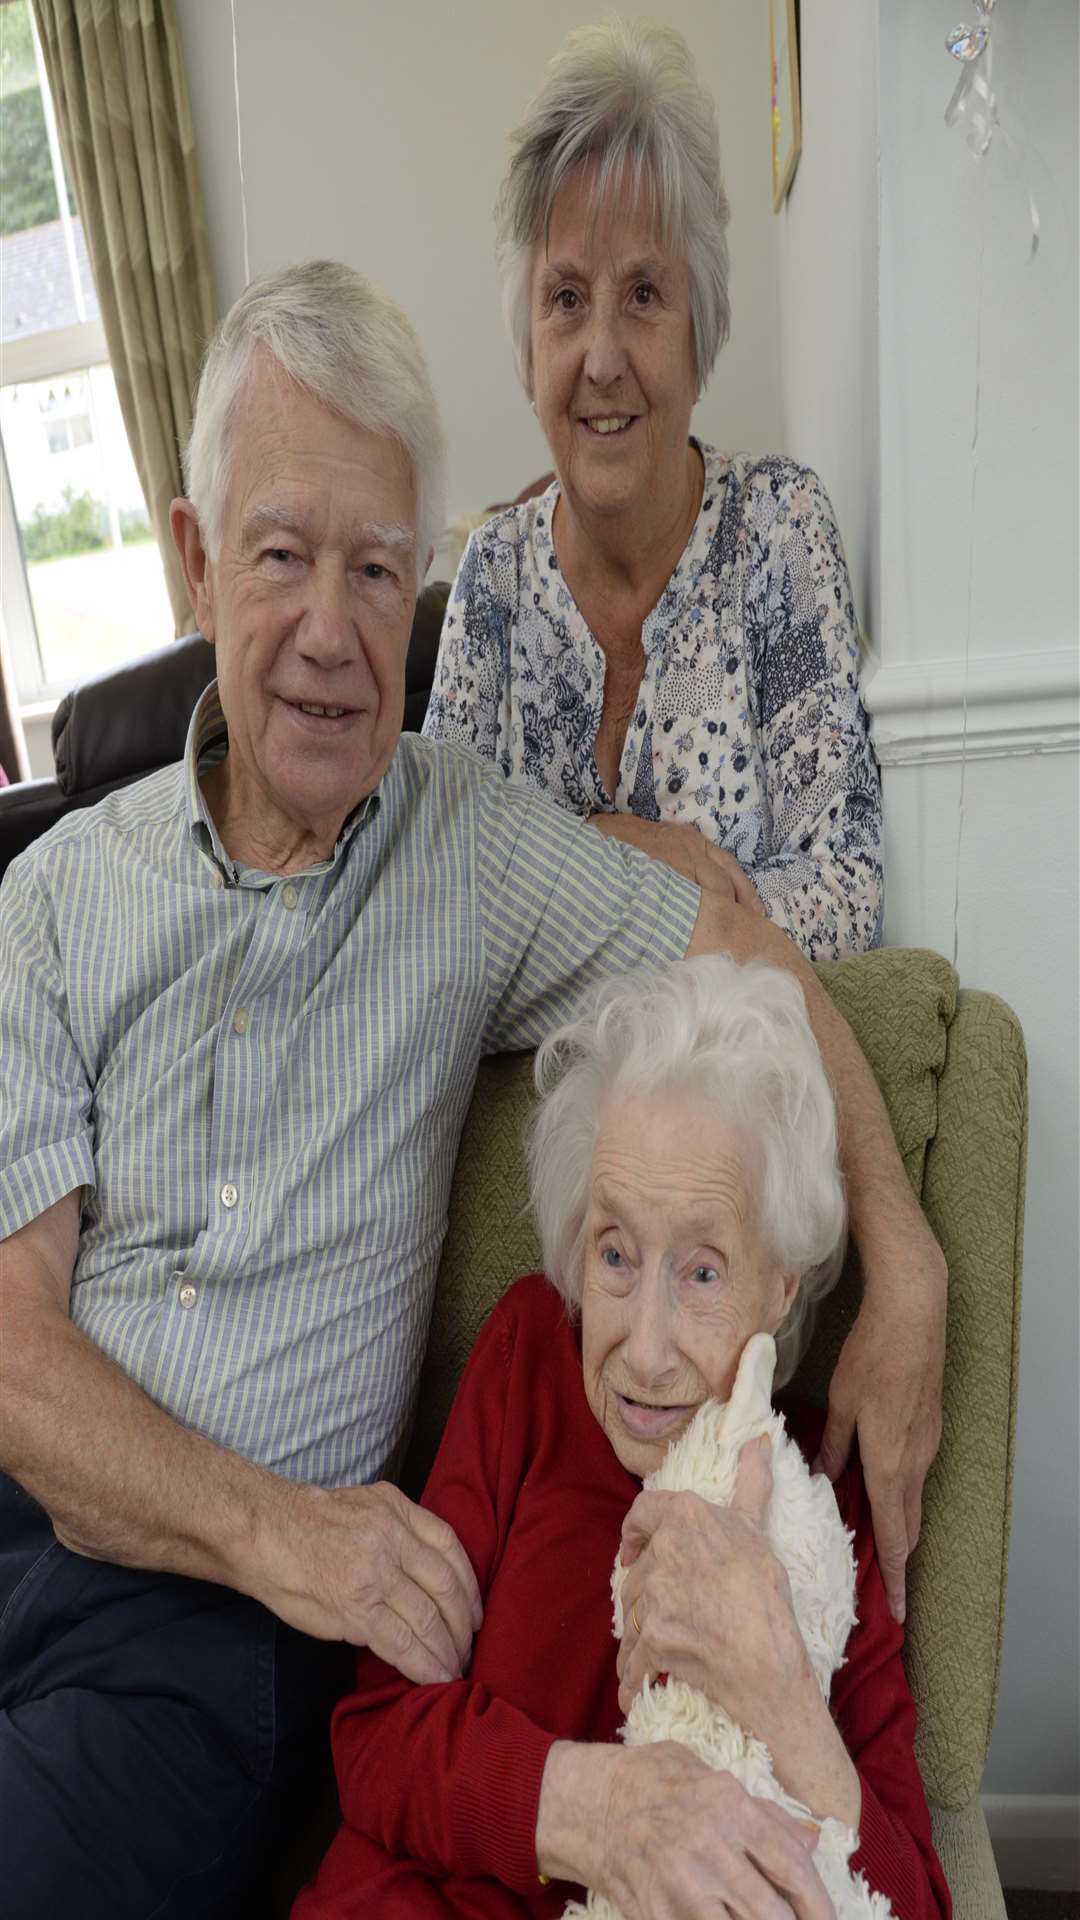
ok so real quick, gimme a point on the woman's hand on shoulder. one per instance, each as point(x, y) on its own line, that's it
point(687, 850)
point(665, 1837)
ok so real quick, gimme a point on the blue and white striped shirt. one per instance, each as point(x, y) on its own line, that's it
point(260, 1082)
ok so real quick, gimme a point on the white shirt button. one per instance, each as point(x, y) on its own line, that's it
point(240, 1020)
point(217, 877)
point(229, 1195)
point(289, 897)
point(188, 1295)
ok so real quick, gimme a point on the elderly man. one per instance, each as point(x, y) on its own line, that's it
point(241, 1009)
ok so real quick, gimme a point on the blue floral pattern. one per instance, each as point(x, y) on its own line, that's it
point(749, 722)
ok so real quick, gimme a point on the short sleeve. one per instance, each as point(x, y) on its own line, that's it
point(562, 907)
point(46, 1129)
point(822, 878)
point(470, 670)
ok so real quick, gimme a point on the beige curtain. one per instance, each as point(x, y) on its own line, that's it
point(118, 86)
point(13, 761)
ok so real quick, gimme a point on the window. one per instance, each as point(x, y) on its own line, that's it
point(82, 581)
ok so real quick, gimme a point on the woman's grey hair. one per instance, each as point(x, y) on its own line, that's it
point(623, 96)
point(349, 346)
point(737, 1038)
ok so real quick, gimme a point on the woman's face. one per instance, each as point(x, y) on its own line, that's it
point(676, 1279)
point(612, 343)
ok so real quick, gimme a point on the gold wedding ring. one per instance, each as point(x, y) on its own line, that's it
point(634, 1618)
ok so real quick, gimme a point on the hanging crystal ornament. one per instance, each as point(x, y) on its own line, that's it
point(966, 43)
point(973, 103)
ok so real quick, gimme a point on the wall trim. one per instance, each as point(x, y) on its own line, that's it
point(1017, 704)
point(1036, 1839)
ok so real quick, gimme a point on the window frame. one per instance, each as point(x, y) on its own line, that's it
point(40, 356)
point(46, 355)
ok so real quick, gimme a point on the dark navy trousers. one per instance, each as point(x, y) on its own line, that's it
point(156, 1735)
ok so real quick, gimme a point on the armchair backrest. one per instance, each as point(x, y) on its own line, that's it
point(952, 1070)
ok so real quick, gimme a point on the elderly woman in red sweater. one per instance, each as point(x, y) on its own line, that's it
point(685, 1183)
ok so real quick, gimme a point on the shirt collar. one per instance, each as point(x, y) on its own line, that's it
point(207, 745)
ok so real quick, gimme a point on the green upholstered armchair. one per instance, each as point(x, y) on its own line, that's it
point(951, 1066)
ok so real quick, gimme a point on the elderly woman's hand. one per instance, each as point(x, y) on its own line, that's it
point(713, 1605)
point(668, 1838)
point(687, 850)
point(706, 1598)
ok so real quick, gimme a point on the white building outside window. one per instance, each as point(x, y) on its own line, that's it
point(82, 582)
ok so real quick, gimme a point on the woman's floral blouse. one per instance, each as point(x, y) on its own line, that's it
point(749, 723)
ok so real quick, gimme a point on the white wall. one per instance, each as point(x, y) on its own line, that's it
point(936, 200)
point(1018, 865)
point(377, 135)
point(879, 276)
point(827, 251)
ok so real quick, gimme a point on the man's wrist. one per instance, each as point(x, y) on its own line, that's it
point(251, 1529)
point(898, 1253)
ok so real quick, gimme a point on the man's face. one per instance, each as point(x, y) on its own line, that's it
point(309, 606)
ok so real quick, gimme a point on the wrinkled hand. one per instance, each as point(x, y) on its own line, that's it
point(687, 850)
point(713, 1600)
point(681, 1840)
point(363, 1564)
point(887, 1383)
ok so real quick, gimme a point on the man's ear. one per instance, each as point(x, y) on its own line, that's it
point(187, 536)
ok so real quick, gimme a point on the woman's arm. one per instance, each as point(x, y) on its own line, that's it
point(694, 1569)
point(712, 1605)
point(662, 1834)
point(822, 879)
point(447, 1774)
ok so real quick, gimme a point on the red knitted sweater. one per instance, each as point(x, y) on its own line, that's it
point(439, 1784)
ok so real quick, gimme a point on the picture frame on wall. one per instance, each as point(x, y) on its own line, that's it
point(786, 111)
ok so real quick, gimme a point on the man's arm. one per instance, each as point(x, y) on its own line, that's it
point(888, 1379)
point(122, 1480)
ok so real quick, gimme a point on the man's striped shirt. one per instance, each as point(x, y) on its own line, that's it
point(260, 1082)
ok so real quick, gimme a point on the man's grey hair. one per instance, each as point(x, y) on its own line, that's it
point(736, 1038)
point(624, 97)
point(353, 350)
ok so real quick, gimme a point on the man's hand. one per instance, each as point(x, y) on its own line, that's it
point(688, 851)
point(122, 1480)
point(887, 1383)
point(363, 1564)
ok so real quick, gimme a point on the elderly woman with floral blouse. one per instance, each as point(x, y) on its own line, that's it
point(665, 639)
point(686, 1188)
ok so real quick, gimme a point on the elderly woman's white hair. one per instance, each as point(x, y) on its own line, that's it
point(350, 347)
point(624, 96)
point(737, 1037)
